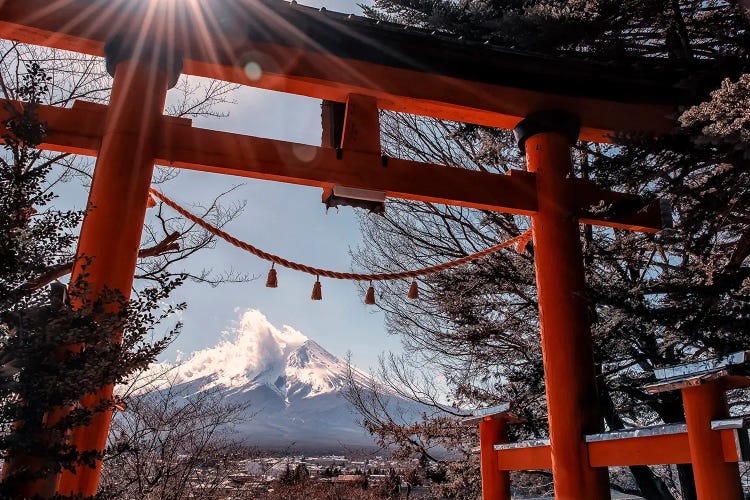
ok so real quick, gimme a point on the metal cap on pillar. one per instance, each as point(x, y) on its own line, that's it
point(122, 48)
point(556, 120)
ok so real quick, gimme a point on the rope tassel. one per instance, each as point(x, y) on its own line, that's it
point(370, 296)
point(272, 281)
point(521, 242)
point(413, 291)
point(317, 292)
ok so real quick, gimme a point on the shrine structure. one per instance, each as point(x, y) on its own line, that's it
point(366, 66)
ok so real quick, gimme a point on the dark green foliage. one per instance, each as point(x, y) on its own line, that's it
point(604, 30)
point(51, 356)
point(300, 475)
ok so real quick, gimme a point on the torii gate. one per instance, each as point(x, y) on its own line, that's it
point(370, 66)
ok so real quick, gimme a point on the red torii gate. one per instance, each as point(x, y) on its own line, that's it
point(369, 66)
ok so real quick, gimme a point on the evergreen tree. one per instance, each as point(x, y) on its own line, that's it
point(52, 355)
point(287, 477)
point(654, 300)
point(301, 474)
point(37, 247)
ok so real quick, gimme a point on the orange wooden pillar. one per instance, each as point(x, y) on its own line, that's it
point(495, 483)
point(112, 229)
point(570, 378)
point(715, 478)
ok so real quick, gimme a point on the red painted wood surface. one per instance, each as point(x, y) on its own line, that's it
point(216, 44)
point(714, 477)
point(180, 145)
point(495, 482)
point(111, 232)
point(570, 379)
point(651, 450)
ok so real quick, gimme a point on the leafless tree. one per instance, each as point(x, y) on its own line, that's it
point(168, 240)
point(173, 442)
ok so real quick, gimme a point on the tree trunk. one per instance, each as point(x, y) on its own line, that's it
point(687, 482)
point(651, 486)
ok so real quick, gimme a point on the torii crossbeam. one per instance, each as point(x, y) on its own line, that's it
point(370, 66)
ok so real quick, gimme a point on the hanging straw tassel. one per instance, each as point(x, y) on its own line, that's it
point(370, 296)
point(413, 291)
point(272, 281)
point(317, 293)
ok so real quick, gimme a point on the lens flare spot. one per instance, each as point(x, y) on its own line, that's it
point(304, 153)
point(253, 71)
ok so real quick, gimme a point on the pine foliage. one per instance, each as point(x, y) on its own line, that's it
point(52, 355)
point(654, 300)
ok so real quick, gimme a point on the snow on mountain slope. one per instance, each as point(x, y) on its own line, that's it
point(259, 354)
point(293, 385)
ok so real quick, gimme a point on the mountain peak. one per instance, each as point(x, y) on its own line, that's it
point(310, 353)
point(252, 349)
point(293, 385)
point(258, 354)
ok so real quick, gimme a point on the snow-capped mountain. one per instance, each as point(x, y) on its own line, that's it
point(292, 384)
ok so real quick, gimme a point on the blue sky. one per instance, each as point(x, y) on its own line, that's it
point(284, 219)
point(288, 220)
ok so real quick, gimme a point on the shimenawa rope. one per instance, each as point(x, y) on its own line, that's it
point(520, 241)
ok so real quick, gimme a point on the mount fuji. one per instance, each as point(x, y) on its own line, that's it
point(292, 385)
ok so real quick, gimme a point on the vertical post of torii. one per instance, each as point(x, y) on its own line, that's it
point(495, 483)
point(143, 71)
point(570, 378)
point(715, 477)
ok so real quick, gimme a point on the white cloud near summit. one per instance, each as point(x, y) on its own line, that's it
point(252, 347)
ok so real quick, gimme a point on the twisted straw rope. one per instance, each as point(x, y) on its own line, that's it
point(521, 240)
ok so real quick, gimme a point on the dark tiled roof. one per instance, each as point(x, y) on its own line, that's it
point(360, 38)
